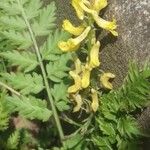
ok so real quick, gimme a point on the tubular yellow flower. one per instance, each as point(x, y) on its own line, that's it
point(98, 5)
point(78, 67)
point(95, 101)
point(73, 44)
point(105, 80)
point(79, 102)
point(78, 9)
point(67, 25)
point(86, 72)
point(77, 83)
point(83, 5)
point(107, 25)
point(94, 55)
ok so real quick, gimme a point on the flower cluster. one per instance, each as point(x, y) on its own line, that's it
point(88, 12)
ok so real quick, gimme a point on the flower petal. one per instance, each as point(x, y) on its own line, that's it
point(94, 55)
point(107, 25)
point(81, 37)
point(95, 101)
point(78, 9)
point(86, 77)
point(99, 5)
point(78, 67)
point(77, 83)
point(105, 80)
point(73, 44)
point(84, 7)
point(79, 102)
point(67, 25)
point(67, 46)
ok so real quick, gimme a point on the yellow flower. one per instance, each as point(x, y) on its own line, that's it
point(107, 25)
point(78, 67)
point(77, 83)
point(86, 72)
point(94, 11)
point(94, 55)
point(95, 101)
point(73, 43)
point(67, 25)
point(78, 9)
point(105, 80)
point(98, 5)
point(79, 102)
point(83, 4)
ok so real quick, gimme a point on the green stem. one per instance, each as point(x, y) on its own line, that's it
point(10, 89)
point(56, 117)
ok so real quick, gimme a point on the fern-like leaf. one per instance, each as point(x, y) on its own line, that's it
point(57, 70)
point(25, 60)
point(45, 22)
point(32, 8)
point(13, 140)
point(60, 96)
point(127, 127)
point(22, 40)
point(25, 83)
point(29, 107)
point(50, 50)
point(136, 88)
point(4, 117)
point(16, 23)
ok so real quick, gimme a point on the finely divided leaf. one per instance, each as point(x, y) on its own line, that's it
point(25, 83)
point(24, 60)
point(128, 126)
point(4, 117)
point(12, 22)
point(29, 107)
point(46, 20)
point(32, 8)
point(10, 8)
point(22, 40)
point(50, 50)
point(59, 93)
point(57, 70)
point(13, 140)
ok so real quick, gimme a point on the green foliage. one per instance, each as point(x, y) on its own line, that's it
point(14, 25)
point(57, 70)
point(4, 117)
point(30, 65)
point(42, 26)
point(60, 97)
point(25, 60)
point(29, 107)
point(50, 50)
point(13, 140)
point(115, 117)
point(25, 83)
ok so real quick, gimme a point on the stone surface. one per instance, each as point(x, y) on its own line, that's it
point(133, 18)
